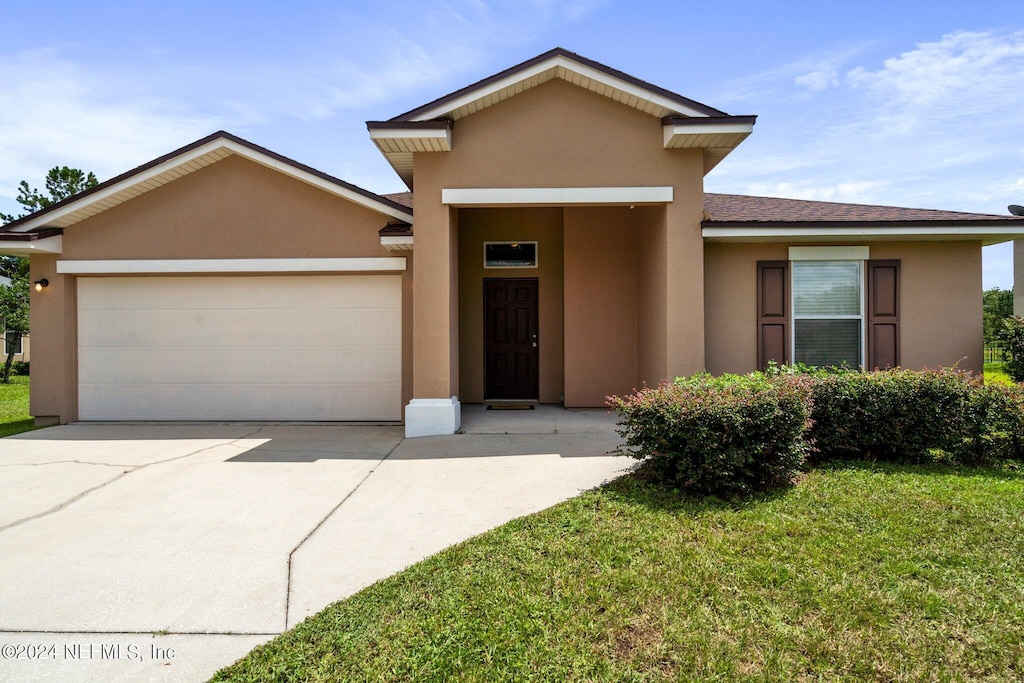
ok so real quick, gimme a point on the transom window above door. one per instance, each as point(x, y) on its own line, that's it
point(510, 254)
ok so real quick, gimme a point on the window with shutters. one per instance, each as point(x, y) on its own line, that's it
point(829, 306)
point(828, 313)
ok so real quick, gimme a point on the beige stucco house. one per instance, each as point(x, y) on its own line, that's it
point(562, 248)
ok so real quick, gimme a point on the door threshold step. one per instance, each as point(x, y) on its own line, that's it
point(511, 405)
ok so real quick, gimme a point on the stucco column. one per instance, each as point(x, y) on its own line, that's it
point(434, 408)
point(684, 274)
point(52, 318)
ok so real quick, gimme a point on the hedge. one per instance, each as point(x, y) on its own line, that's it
point(741, 434)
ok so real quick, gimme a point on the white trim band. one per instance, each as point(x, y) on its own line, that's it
point(243, 265)
point(495, 196)
point(829, 253)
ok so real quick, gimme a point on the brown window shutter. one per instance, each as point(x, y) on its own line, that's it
point(772, 313)
point(883, 314)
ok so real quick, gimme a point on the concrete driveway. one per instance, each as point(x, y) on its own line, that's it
point(151, 552)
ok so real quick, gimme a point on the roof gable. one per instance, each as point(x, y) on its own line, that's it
point(183, 161)
point(687, 124)
point(571, 67)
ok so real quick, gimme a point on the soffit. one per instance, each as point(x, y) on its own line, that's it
point(184, 161)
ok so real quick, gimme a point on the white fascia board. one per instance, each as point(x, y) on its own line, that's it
point(829, 253)
point(570, 65)
point(220, 143)
point(406, 133)
point(47, 245)
point(400, 243)
point(555, 195)
point(249, 265)
point(671, 130)
point(889, 231)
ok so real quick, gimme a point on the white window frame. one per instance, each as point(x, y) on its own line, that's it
point(536, 254)
point(20, 349)
point(862, 317)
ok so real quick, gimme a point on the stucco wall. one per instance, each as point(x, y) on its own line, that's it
point(477, 226)
point(560, 135)
point(940, 298)
point(234, 208)
point(600, 304)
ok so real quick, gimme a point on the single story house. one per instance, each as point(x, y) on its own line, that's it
point(562, 248)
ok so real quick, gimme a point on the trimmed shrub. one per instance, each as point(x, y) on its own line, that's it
point(893, 415)
point(719, 435)
point(994, 427)
point(19, 367)
point(1011, 333)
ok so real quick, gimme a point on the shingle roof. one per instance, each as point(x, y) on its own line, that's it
point(403, 198)
point(736, 208)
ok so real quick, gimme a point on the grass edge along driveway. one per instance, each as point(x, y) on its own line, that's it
point(858, 572)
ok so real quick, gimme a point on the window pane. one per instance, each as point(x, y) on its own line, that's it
point(12, 338)
point(828, 342)
point(826, 288)
point(510, 255)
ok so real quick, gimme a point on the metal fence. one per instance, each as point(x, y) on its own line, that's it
point(995, 353)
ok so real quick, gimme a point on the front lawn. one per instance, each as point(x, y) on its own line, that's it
point(996, 374)
point(858, 572)
point(14, 417)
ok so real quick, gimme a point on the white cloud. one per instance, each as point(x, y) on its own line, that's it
point(57, 113)
point(827, 76)
point(59, 109)
point(938, 126)
point(987, 66)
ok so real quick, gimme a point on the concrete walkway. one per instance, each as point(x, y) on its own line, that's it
point(159, 552)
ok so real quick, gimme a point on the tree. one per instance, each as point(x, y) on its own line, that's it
point(61, 183)
point(997, 304)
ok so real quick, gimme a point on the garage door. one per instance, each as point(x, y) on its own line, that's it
point(240, 348)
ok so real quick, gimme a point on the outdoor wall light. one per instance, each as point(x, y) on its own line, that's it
point(41, 283)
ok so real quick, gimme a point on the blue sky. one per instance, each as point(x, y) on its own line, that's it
point(906, 103)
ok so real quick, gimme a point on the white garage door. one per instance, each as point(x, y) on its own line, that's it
point(240, 348)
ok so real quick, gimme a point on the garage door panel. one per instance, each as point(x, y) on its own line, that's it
point(108, 366)
point(248, 402)
point(245, 327)
point(144, 354)
point(235, 293)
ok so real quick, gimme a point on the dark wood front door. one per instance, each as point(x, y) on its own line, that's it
point(510, 339)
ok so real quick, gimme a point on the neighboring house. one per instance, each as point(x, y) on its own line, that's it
point(21, 342)
point(563, 249)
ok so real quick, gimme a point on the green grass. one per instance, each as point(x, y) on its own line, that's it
point(14, 417)
point(994, 374)
point(864, 572)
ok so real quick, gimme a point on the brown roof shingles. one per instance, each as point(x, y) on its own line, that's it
point(403, 198)
point(735, 208)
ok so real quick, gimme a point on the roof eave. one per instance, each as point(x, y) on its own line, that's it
point(987, 231)
point(221, 140)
